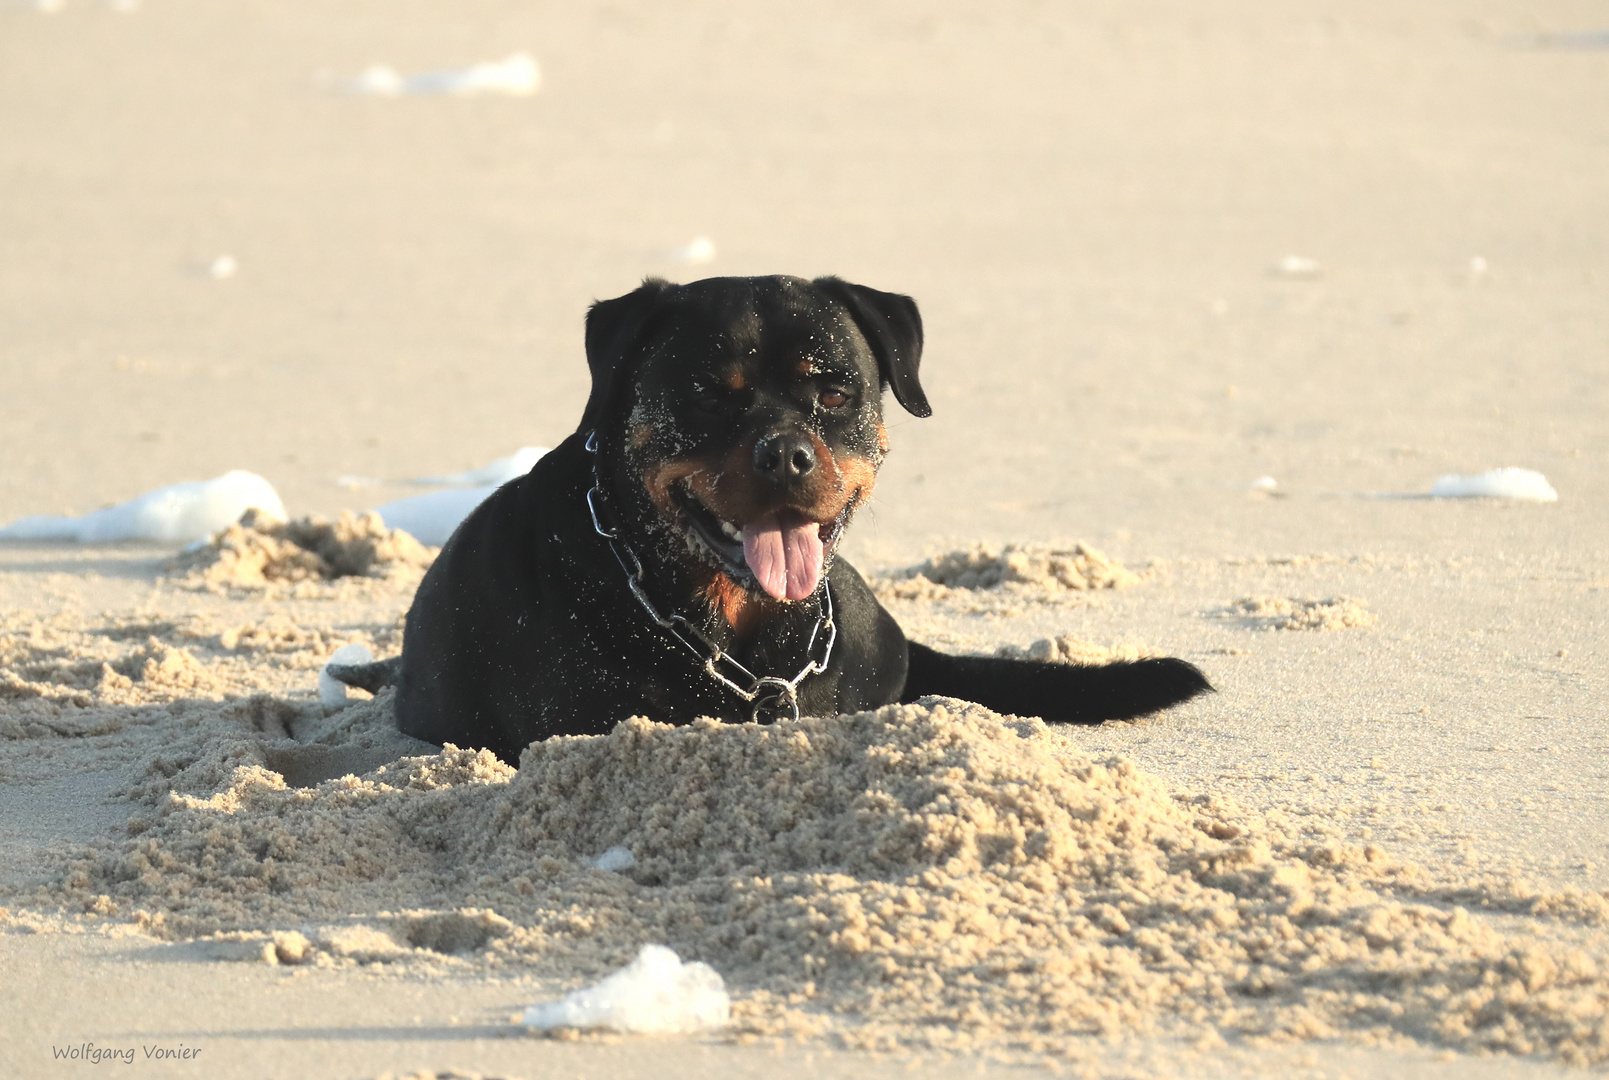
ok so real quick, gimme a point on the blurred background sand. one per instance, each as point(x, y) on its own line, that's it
point(1085, 202)
point(1089, 202)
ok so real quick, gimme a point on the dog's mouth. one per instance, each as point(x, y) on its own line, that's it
point(783, 553)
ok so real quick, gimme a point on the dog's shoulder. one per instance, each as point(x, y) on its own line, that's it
point(521, 520)
point(494, 627)
point(872, 654)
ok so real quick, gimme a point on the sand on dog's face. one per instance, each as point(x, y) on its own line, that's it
point(929, 875)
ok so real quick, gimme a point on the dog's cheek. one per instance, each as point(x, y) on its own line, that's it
point(865, 436)
point(654, 431)
point(857, 475)
point(727, 487)
point(659, 478)
point(846, 476)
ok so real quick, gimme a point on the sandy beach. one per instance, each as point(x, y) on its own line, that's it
point(1213, 297)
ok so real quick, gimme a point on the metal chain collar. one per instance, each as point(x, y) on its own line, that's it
point(766, 693)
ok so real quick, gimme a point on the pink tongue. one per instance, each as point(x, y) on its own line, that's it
point(784, 552)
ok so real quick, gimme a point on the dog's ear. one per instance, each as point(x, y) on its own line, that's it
point(614, 327)
point(893, 328)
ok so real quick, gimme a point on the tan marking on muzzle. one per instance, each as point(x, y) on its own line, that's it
point(735, 494)
point(657, 480)
point(730, 490)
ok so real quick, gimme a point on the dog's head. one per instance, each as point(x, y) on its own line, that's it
point(740, 420)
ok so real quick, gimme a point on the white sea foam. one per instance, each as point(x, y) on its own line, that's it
point(1522, 484)
point(332, 691)
point(1297, 266)
point(615, 860)
point(517, 76)
point(655, 994)
point(697, 251)
point(181, 512)
point(432, 518)
point(500, 471)
point(378, 80)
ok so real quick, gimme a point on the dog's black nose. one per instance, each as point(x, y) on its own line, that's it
point(784, 457)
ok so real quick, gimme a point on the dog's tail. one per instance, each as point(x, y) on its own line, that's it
point(371, 677)
point(1063, 693)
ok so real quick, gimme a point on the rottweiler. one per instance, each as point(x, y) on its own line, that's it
point(676, 556)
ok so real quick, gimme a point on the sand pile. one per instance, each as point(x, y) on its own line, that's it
point(63, 675)
point(1297, 613)
point(1072, 649)
point(1013, 567)
point(57, 678)
point(991, 579)
point(159, 669)
point(930, 875)
point(261, 553)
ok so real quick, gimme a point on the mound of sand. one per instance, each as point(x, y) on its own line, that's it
point(160, 669)
point(56, 678)
point(1297, 613)
point(927, 875)
point(63, 675)
point(988, 566)
point(260, 553)
point(1072, 649)
point(1000, 580)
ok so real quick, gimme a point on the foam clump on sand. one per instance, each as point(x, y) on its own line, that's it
point(1524, 485)
point(178, 513)
point(516, 76)
point(433, 517)
point(656, 994)
point(615, 860)
point(1298, 267)
point(1009, 573)
point(696, 252)
point(259, 552)
point(929, 875)
point(332, 691)
point(497, 471)
point(1298, 613)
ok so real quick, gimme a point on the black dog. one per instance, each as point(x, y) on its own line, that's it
point(674, 557)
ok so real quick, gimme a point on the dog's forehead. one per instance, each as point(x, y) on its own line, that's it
point(783, 325)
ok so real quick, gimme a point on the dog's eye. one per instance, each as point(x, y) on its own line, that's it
point(833, 399)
